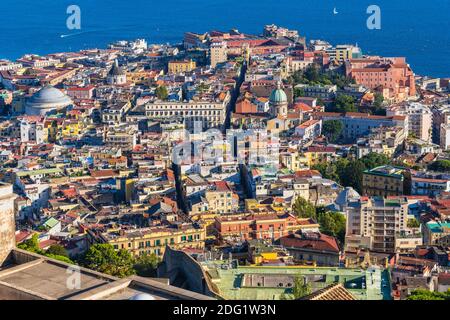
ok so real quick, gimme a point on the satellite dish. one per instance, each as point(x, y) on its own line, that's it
point(142, 296)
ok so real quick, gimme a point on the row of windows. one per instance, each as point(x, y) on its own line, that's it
point(158, 242)
point(186, 113)
point(164, 107)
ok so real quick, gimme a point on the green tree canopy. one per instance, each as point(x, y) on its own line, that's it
point(31, 244)
point(146, 265)
point(332, 224)
point(161, 92)
point(300, 288)
point(313, 75)
point(413, 223)
point(332, 129)
point(349, 172)
point(303, 208)
point(344, 103)
point(440, 165)
point(299, 92)
point(352, 174)
point(373, 160)
point(55, 251)
point(58, 250)
point(103, 258)
point(422, 294)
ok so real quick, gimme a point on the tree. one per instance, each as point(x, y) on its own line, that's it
point(332, 224)
point(352, 175)
point(328, 171)
point(53, 252)
point(58, 250)
point(413, 223)
point(103, 258)
point(312, 73)
point(146, 265)
point(378, 105)
point(301, 288)
point(299, 92)
point(440, 165)
point(303, 208)
point(60, 258)
point(31, 244)
point(161, 93)
point(332, 129)
point(373, 160)
point(422, 294)
point(344, 103)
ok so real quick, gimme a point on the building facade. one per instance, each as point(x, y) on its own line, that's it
point(384, 181)
point(375, 224)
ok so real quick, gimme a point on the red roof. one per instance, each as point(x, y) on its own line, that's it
point(322, 242)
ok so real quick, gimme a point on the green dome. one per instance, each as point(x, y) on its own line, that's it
point(278, 96)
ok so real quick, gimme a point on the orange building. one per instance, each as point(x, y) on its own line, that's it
point(267, 225)
point(245, 106)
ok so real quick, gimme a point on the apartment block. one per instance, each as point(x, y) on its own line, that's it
point(376, 223)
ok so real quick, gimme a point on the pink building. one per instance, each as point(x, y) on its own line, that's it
point(393, 75)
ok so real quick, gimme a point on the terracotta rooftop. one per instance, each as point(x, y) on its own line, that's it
point(332, 292)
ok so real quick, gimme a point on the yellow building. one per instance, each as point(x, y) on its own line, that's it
point(179, 66)
point(316, 155)
point(207, 220)
point(383, 181)
point(71, 128)
point(155, 239)
point(294, 161)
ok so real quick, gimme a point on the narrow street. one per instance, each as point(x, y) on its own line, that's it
point(181, 195)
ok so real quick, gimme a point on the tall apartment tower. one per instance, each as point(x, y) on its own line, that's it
point(7, 221)
point(375, 223)
point(218, 53)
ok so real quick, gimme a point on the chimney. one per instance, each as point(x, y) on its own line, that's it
point(7, 221)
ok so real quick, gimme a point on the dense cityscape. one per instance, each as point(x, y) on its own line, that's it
point(230, 166)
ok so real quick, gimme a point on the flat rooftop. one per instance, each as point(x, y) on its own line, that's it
point(269, 283)
point(29, 276)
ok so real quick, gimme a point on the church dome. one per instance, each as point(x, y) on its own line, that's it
point(142, 296)
point(47, 99)
point(49, 94)
point(278, 95)
point(346, 196)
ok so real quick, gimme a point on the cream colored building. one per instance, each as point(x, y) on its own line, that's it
point(175, 67)
point(218, 53)
point(154, 240)
point(376, 224)
point(210, 114)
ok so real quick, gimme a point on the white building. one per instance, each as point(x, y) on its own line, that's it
point(375, 224)
point(309, 130)
point(420, 118)
point(207, 114)
point(32, 130)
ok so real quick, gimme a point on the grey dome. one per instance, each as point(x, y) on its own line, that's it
point(49, 95)
point(47, 99)
point(347, 195)
point(142, 296)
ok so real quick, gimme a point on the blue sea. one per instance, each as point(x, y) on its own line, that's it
point(417, 29)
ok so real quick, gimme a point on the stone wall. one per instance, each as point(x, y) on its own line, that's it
point(184, 272)
point(7, 222)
